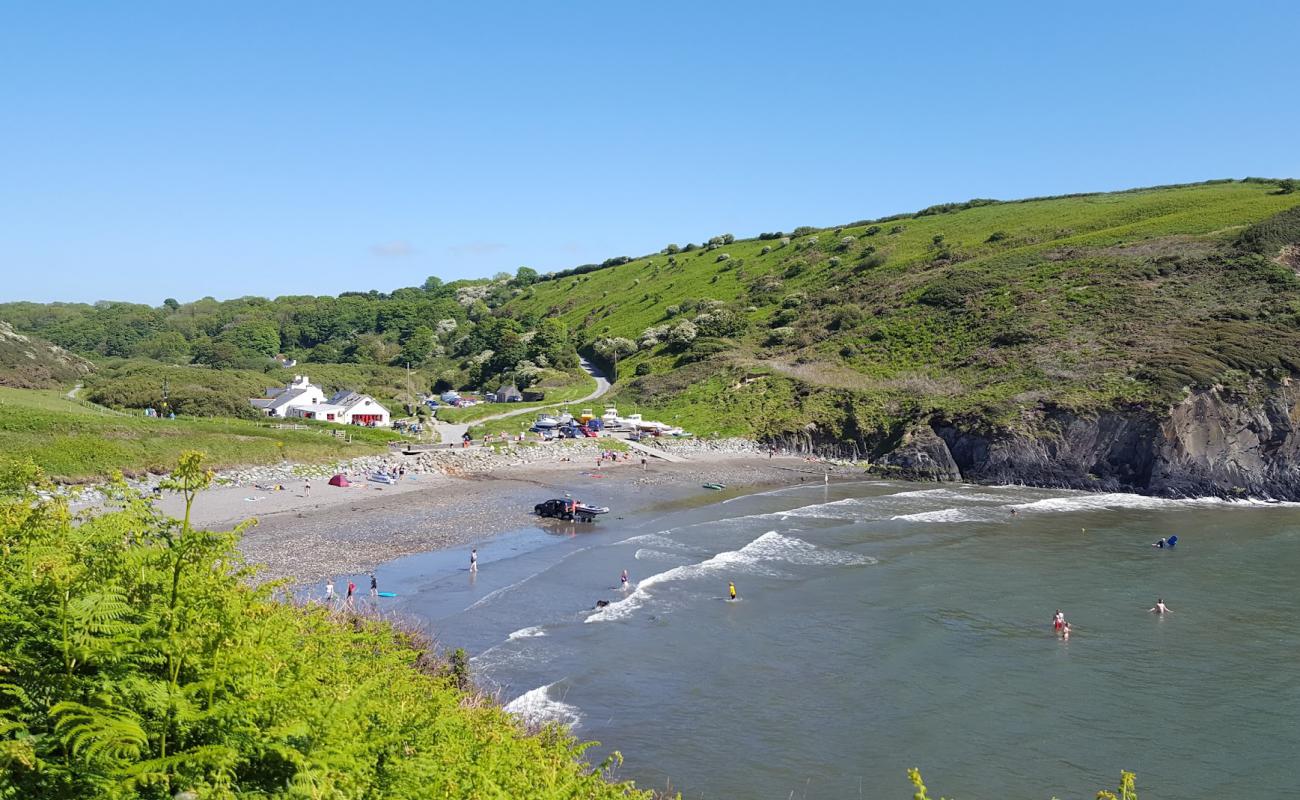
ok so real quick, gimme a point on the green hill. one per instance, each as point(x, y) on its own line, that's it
point(980, 309)
point(30, 363)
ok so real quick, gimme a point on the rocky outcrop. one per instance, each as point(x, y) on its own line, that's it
point(1214, 443)
point(921, 456)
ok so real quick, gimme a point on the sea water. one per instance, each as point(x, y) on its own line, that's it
point(881, 626)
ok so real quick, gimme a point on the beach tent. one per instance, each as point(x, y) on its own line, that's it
point(340, 480)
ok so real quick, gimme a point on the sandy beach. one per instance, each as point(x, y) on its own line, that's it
point(333, 530)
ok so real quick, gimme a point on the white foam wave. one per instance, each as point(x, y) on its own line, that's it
point(647, 553)
point(527, 633)
point(1112, 500)
point(537, 707)
point(939, 515)
point(757, 556)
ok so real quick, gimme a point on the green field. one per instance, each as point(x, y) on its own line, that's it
point(74, 441)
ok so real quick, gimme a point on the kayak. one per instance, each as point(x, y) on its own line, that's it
point(388, 594)
point(717, 487)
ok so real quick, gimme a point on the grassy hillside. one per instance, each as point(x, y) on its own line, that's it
point(74, 441)
point(977, 310)
point(27, 362)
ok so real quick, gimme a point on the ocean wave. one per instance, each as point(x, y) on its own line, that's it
point(660, 539)
point(756, 557)
point(496, 592)
point(527, 633)
point(1114, 500)
point(537, 707)
point(648, 553)
point(938, 515)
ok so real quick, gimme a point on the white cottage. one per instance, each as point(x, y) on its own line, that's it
point(302, 399)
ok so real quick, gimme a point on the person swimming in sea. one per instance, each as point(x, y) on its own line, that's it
point(1058, 621)
point(731, 589)
point(1162, 543)
point(624, 579)
point(1160, 607)
point(1065, 632)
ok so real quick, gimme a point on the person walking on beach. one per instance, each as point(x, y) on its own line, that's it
point(731, 589)
point(374, 586)
point(624, 579)
point(329, 592)
point(473, 560)
point(643, 463)
point(306, 489)
point(352, 590)
point(1160, 607)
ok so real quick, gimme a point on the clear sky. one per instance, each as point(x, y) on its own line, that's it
point(173, 149)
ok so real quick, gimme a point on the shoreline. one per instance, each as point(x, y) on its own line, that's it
point(456, 498)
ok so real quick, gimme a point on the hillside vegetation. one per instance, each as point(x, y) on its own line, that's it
point(74, 441)
point(30, 363)
point(137, 661)
point(976, 311)
point(975, 314)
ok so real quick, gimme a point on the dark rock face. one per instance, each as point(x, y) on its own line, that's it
point(921, 456)
point(1211, 444)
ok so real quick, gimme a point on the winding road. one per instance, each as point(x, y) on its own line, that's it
point(449, 433)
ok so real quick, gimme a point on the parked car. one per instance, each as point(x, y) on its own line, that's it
point(569, 510)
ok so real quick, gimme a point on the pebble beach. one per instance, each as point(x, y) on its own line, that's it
point(450, 498)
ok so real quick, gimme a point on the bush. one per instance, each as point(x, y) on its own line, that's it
point(834, 261)
point(785, 241)
point(643, 368)
point(779, 336)
point(871, 231)
point(794, 300)
point(763, 237)
point(847, 242)
point(996, 236)
point(794, 269)
point(150, 665)
point(671, 249)
point(897, 229)
point(723, 257)
point(766, 249)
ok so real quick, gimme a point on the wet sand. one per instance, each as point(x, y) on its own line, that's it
point(351, 530)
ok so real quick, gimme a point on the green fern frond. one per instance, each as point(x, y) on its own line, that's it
point(98, 735)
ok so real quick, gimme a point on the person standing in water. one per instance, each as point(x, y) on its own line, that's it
point(1058, 621)
point(329, 591)
point(374, 586)
point(624, 579)
point(731, 589)
point(352, 589)
point(1160, 607)
point(1065, 632)
point(473, 560)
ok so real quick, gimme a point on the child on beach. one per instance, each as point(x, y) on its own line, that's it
point(473, 560)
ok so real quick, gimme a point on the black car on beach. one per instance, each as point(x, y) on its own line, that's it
point(569, 510)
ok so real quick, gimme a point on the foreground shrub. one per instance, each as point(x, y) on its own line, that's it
point(137, 662)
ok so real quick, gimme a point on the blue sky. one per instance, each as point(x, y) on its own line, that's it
point(162, 149)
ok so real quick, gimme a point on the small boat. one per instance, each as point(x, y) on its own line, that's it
point(546, 421)
point(586, 416)
point(610, 417)
point(717, 487)
point(382, 477)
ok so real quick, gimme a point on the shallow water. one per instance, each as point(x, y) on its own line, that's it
point(882, 626)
